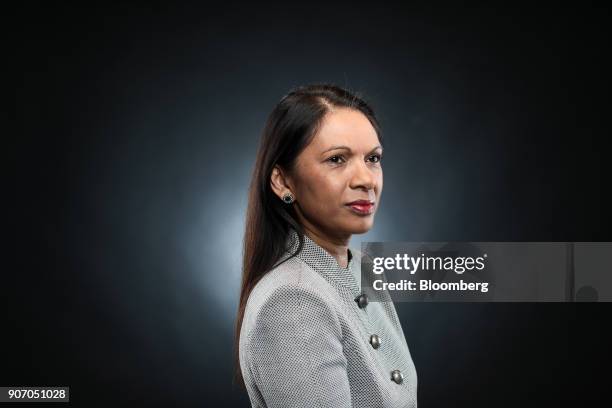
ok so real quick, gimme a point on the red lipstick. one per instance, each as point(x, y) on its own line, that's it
point(362, 207)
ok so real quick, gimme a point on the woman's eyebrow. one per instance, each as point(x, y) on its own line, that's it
point(348, 148)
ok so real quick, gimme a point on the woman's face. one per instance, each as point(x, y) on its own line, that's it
point(340, 166)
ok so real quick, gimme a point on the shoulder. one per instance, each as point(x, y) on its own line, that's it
point(292, 290)
point(291, 276)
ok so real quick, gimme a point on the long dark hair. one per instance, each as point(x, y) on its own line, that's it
point(289, 129)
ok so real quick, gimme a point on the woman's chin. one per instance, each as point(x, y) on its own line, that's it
point(362, 227)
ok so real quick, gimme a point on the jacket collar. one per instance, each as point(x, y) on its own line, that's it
point(326, 265)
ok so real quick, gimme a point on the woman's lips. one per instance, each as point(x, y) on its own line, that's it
point(361, 208)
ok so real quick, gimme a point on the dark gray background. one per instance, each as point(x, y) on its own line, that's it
point(135, 135)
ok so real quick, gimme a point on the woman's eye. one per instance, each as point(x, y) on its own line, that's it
point(378, 158)
point(335, 159)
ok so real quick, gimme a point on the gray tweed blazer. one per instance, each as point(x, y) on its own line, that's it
point(309, 340)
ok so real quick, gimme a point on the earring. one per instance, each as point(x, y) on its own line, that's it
point(288, 198)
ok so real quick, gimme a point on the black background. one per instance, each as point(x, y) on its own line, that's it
point(132, 119)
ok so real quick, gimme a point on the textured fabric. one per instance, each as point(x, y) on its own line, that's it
point(305, 342)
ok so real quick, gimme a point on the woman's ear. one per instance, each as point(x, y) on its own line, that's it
point(280, 183)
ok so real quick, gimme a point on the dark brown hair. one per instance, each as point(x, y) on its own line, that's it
point(288, 130)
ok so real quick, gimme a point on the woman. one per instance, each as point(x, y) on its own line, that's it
point(306, 335)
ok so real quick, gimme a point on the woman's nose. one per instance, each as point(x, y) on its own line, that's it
point(363, 177)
